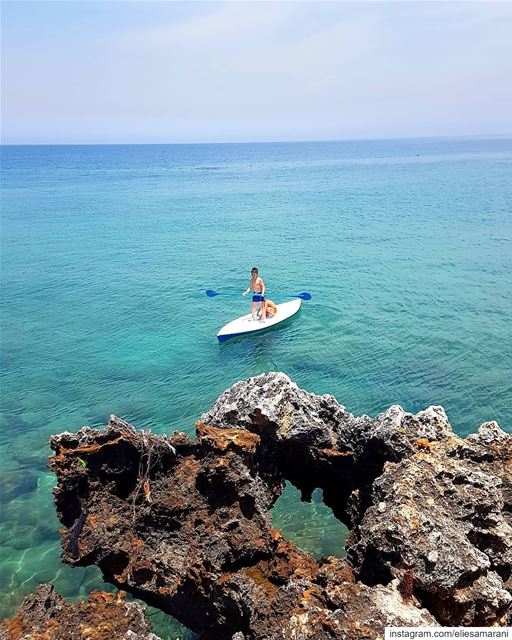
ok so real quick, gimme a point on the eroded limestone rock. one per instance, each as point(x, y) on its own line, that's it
point(441, 518)
point(186, 525)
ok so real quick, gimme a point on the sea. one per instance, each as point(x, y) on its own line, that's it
point(404, 245)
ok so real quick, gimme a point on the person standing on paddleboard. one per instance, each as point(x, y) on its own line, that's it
point(257, 286)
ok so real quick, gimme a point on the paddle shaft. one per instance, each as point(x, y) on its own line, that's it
point(304, 295)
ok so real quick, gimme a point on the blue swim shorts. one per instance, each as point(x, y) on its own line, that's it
point(257, 297)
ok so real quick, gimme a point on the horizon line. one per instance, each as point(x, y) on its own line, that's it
point(226, 142)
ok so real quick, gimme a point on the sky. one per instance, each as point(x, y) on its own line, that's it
point(128, 71)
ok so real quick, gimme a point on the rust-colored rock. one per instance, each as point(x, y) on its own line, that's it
point(45, 615)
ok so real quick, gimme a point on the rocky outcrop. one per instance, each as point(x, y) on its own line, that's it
point(186, 525)
point(45, 615)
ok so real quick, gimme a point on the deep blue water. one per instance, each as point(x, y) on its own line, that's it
point(405, 245)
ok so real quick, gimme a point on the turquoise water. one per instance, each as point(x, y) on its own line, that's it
point(406, 247)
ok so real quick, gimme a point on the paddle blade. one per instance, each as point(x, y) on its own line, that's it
point(211, 294)
point(304, 295)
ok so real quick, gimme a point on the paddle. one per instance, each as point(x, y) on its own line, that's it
point(304, 295)
point(211, 294)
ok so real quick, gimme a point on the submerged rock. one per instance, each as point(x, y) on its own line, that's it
point(45, 615)
point(186, 525)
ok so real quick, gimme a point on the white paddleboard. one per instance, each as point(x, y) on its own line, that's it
point(245, 324)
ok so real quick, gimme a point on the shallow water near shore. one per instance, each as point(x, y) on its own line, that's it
point(404, 245)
